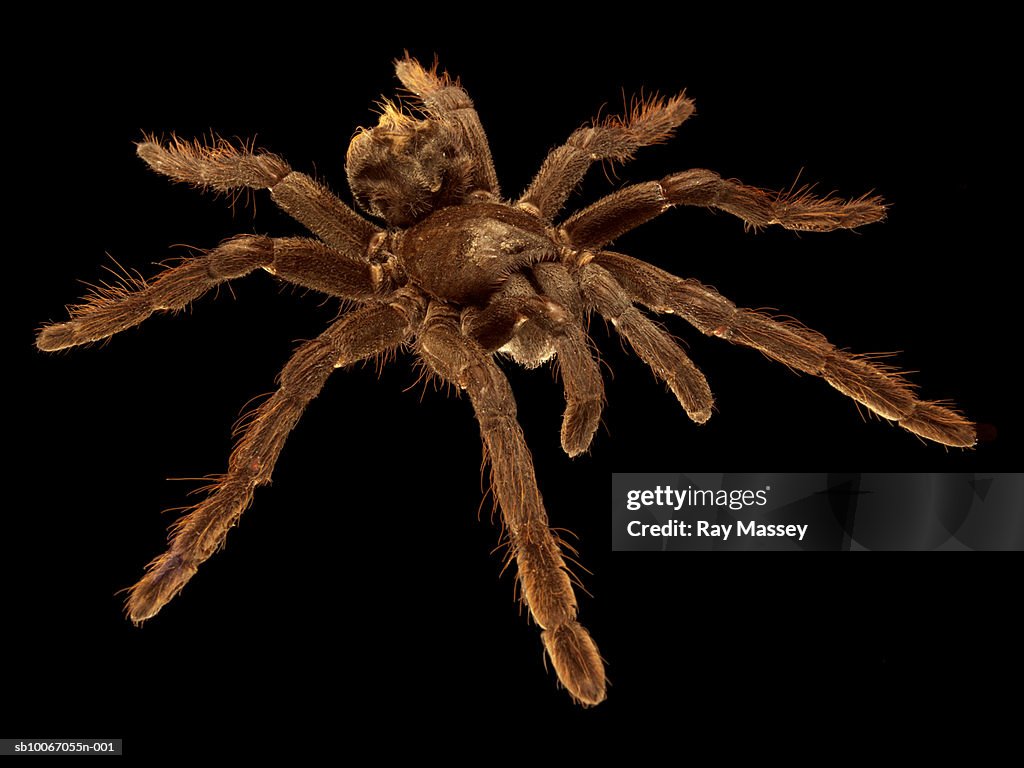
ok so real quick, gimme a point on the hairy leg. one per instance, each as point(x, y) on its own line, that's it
point(446, 101)
point(584, 391)
point(302, 261)
point(615, 138)
point(622, 211)
point(581, 377)
point(494, 326)
point(223, 167)
point(361, 334)
point(545, 583)
point(539, 318)
point(881, 388)
point(654, 346)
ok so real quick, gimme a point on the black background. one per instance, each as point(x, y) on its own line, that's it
point(364, 576)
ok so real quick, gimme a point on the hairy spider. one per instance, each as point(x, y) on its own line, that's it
point(458, 274)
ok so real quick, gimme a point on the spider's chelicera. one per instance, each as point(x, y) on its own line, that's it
point(459, 274)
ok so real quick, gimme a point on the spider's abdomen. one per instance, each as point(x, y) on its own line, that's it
point(464, 253)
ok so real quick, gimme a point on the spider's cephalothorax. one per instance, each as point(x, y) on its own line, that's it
point(404, 168)
point(458, 274)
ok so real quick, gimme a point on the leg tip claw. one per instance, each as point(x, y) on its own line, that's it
point(577, 662)
point(55, 337)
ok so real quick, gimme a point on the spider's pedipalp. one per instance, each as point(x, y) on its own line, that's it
point(652, 343)
point(223, 167)
point(447, 102)
point(625, 210)
point(546, 586)
point(616, 138)
point(366, 332)
point(880, 388)
point(305, 262)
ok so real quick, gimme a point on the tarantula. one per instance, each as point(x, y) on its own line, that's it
point(459, 274)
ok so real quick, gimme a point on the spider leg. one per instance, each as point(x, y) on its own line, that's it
point(581, 377)
point(538, 325)
point(302, 261)
point(545, 583)
point(223, 167)
point(615, 138)
point(494, 326)
point(584, 391)
point(618, 213)
point(881, 388)
point(651, 342)
point(446, 101)
point(363, 333)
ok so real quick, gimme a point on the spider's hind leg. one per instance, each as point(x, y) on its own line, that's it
point(545, 582)
point(361, 334)
point(880, 388)
point(651, 342)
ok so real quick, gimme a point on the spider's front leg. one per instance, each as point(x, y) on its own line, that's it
point(615, 138)
point(447, 102)
point(298, 260)
point(618, 213)
point(545, 582)
point(366, 332)
point(223, 167)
